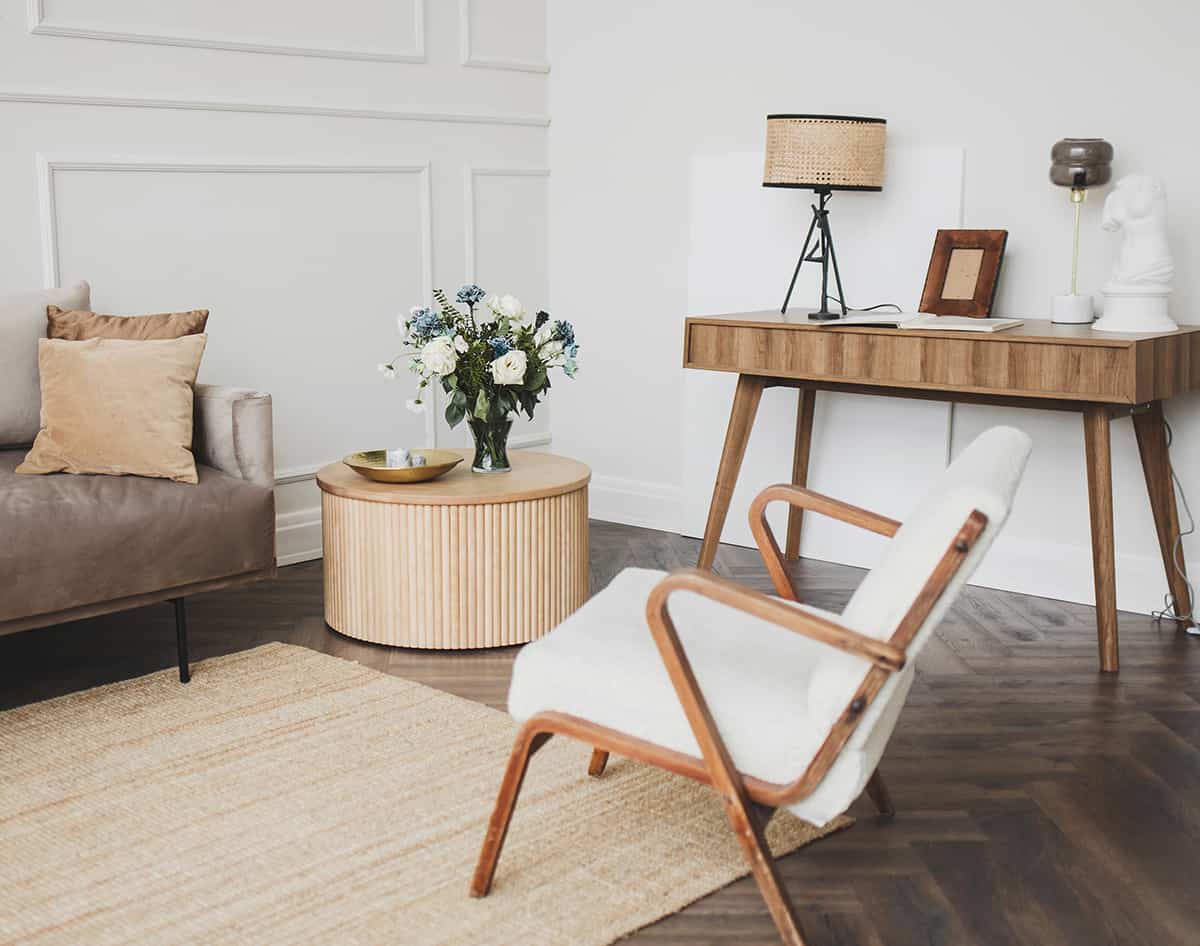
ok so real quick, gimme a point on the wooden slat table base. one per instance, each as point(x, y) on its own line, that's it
point(454, 576)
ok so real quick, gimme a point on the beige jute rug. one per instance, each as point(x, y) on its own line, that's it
point(285, 796)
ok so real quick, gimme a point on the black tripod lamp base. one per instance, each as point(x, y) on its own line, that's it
point(819, 250)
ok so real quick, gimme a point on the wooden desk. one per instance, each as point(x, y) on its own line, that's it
point(1038, 365)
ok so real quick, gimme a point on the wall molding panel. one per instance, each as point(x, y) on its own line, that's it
point(50, 165)
point(471, 250)
point(467, 56)
point(40, 26)
point(273, 108)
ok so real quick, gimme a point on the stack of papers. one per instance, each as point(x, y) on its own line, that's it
point(924, 321)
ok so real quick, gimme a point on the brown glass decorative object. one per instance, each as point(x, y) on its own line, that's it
point(963, 272)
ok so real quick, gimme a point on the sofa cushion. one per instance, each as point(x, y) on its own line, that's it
point(117, 406)
point(22, 323)
point(71, 541)
point(78, 326)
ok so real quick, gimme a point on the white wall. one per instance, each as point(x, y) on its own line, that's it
point(642, 88)
point(304, 170)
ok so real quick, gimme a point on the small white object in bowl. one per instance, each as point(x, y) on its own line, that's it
point(399, 458)
point(418, 459)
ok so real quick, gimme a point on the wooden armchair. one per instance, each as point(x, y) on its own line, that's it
point(769, 719)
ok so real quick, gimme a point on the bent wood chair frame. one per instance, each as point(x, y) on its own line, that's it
point(749, 802)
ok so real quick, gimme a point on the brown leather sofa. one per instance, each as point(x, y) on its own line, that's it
point(76, 546)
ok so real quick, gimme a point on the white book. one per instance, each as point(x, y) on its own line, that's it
point(925, 321)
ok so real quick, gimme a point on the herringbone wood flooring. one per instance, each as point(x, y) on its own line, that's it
point(1038, 802)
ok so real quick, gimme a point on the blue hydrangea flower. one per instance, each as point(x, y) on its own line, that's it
point(500, 346)
point(426, 323)
point(469, 294)
point(565, 333)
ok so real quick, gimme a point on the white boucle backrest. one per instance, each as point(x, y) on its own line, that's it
point(983, 477)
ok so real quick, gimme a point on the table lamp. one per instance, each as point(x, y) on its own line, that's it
point(823, 153)
point(1078, 163)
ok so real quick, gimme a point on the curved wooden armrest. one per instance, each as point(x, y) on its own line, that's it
point(813, 502)
point(881, 653)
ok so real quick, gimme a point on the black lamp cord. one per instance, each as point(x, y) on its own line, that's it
point(1168, 609)
point(870, 308)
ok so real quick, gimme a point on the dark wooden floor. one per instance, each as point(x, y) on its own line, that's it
point(1039, 802)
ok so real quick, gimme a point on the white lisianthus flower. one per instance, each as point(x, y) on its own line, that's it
point(387, 371)
point(416, 405)
point(545, 333)
point(460, 344)
point(509, 368)
point(438, 356)
point(552, 354)
point(507, 306)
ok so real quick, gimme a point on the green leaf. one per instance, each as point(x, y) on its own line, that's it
point(482, 405)
point(460, 398)
point(455, 412)
point(539, 378)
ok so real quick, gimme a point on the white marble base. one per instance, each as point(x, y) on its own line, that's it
point(1135, 311)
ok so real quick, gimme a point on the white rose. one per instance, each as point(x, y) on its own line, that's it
point(460, 344)
point(509, 368)
point(507, 306)
point(439, 356)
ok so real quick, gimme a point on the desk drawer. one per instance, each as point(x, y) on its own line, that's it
point(1124, 372)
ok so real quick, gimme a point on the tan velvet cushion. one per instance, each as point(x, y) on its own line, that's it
point(78, 325)
point(117, 406)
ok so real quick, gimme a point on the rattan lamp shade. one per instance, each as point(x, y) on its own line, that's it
point(827, 152)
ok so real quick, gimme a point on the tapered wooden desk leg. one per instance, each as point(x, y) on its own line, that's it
point(1099, 474)
point(1156, 465)
point(741, 420)
point(804, 423)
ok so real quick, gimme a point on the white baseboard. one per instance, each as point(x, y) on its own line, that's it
point(1052, 570)
point(298, 530)
point(635, 503)
point(298, 536)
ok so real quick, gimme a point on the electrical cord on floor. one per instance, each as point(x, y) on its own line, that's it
point(1168, 611)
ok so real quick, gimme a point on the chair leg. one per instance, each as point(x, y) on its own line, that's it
point(598, 761)
point(526, 745)
point(181, 644)
point(749, 824)
point(878, 790)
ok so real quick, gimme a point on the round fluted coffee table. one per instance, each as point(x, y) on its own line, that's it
point(466, 560)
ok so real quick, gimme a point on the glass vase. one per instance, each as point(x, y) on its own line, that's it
point(491, 445)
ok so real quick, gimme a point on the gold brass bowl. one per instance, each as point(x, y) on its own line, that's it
point(373, 465)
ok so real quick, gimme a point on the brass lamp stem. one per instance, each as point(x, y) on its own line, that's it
point(1077, 197)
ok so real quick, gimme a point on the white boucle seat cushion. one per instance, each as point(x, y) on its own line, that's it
point(602, 664)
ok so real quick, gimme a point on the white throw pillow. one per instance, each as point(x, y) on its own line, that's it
point(22, 323)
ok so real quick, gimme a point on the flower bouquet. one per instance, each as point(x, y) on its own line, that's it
point(491, 361)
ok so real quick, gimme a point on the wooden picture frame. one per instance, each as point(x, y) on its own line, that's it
point(964, 271)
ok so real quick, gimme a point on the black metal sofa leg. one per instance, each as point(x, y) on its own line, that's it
point(185, 673)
